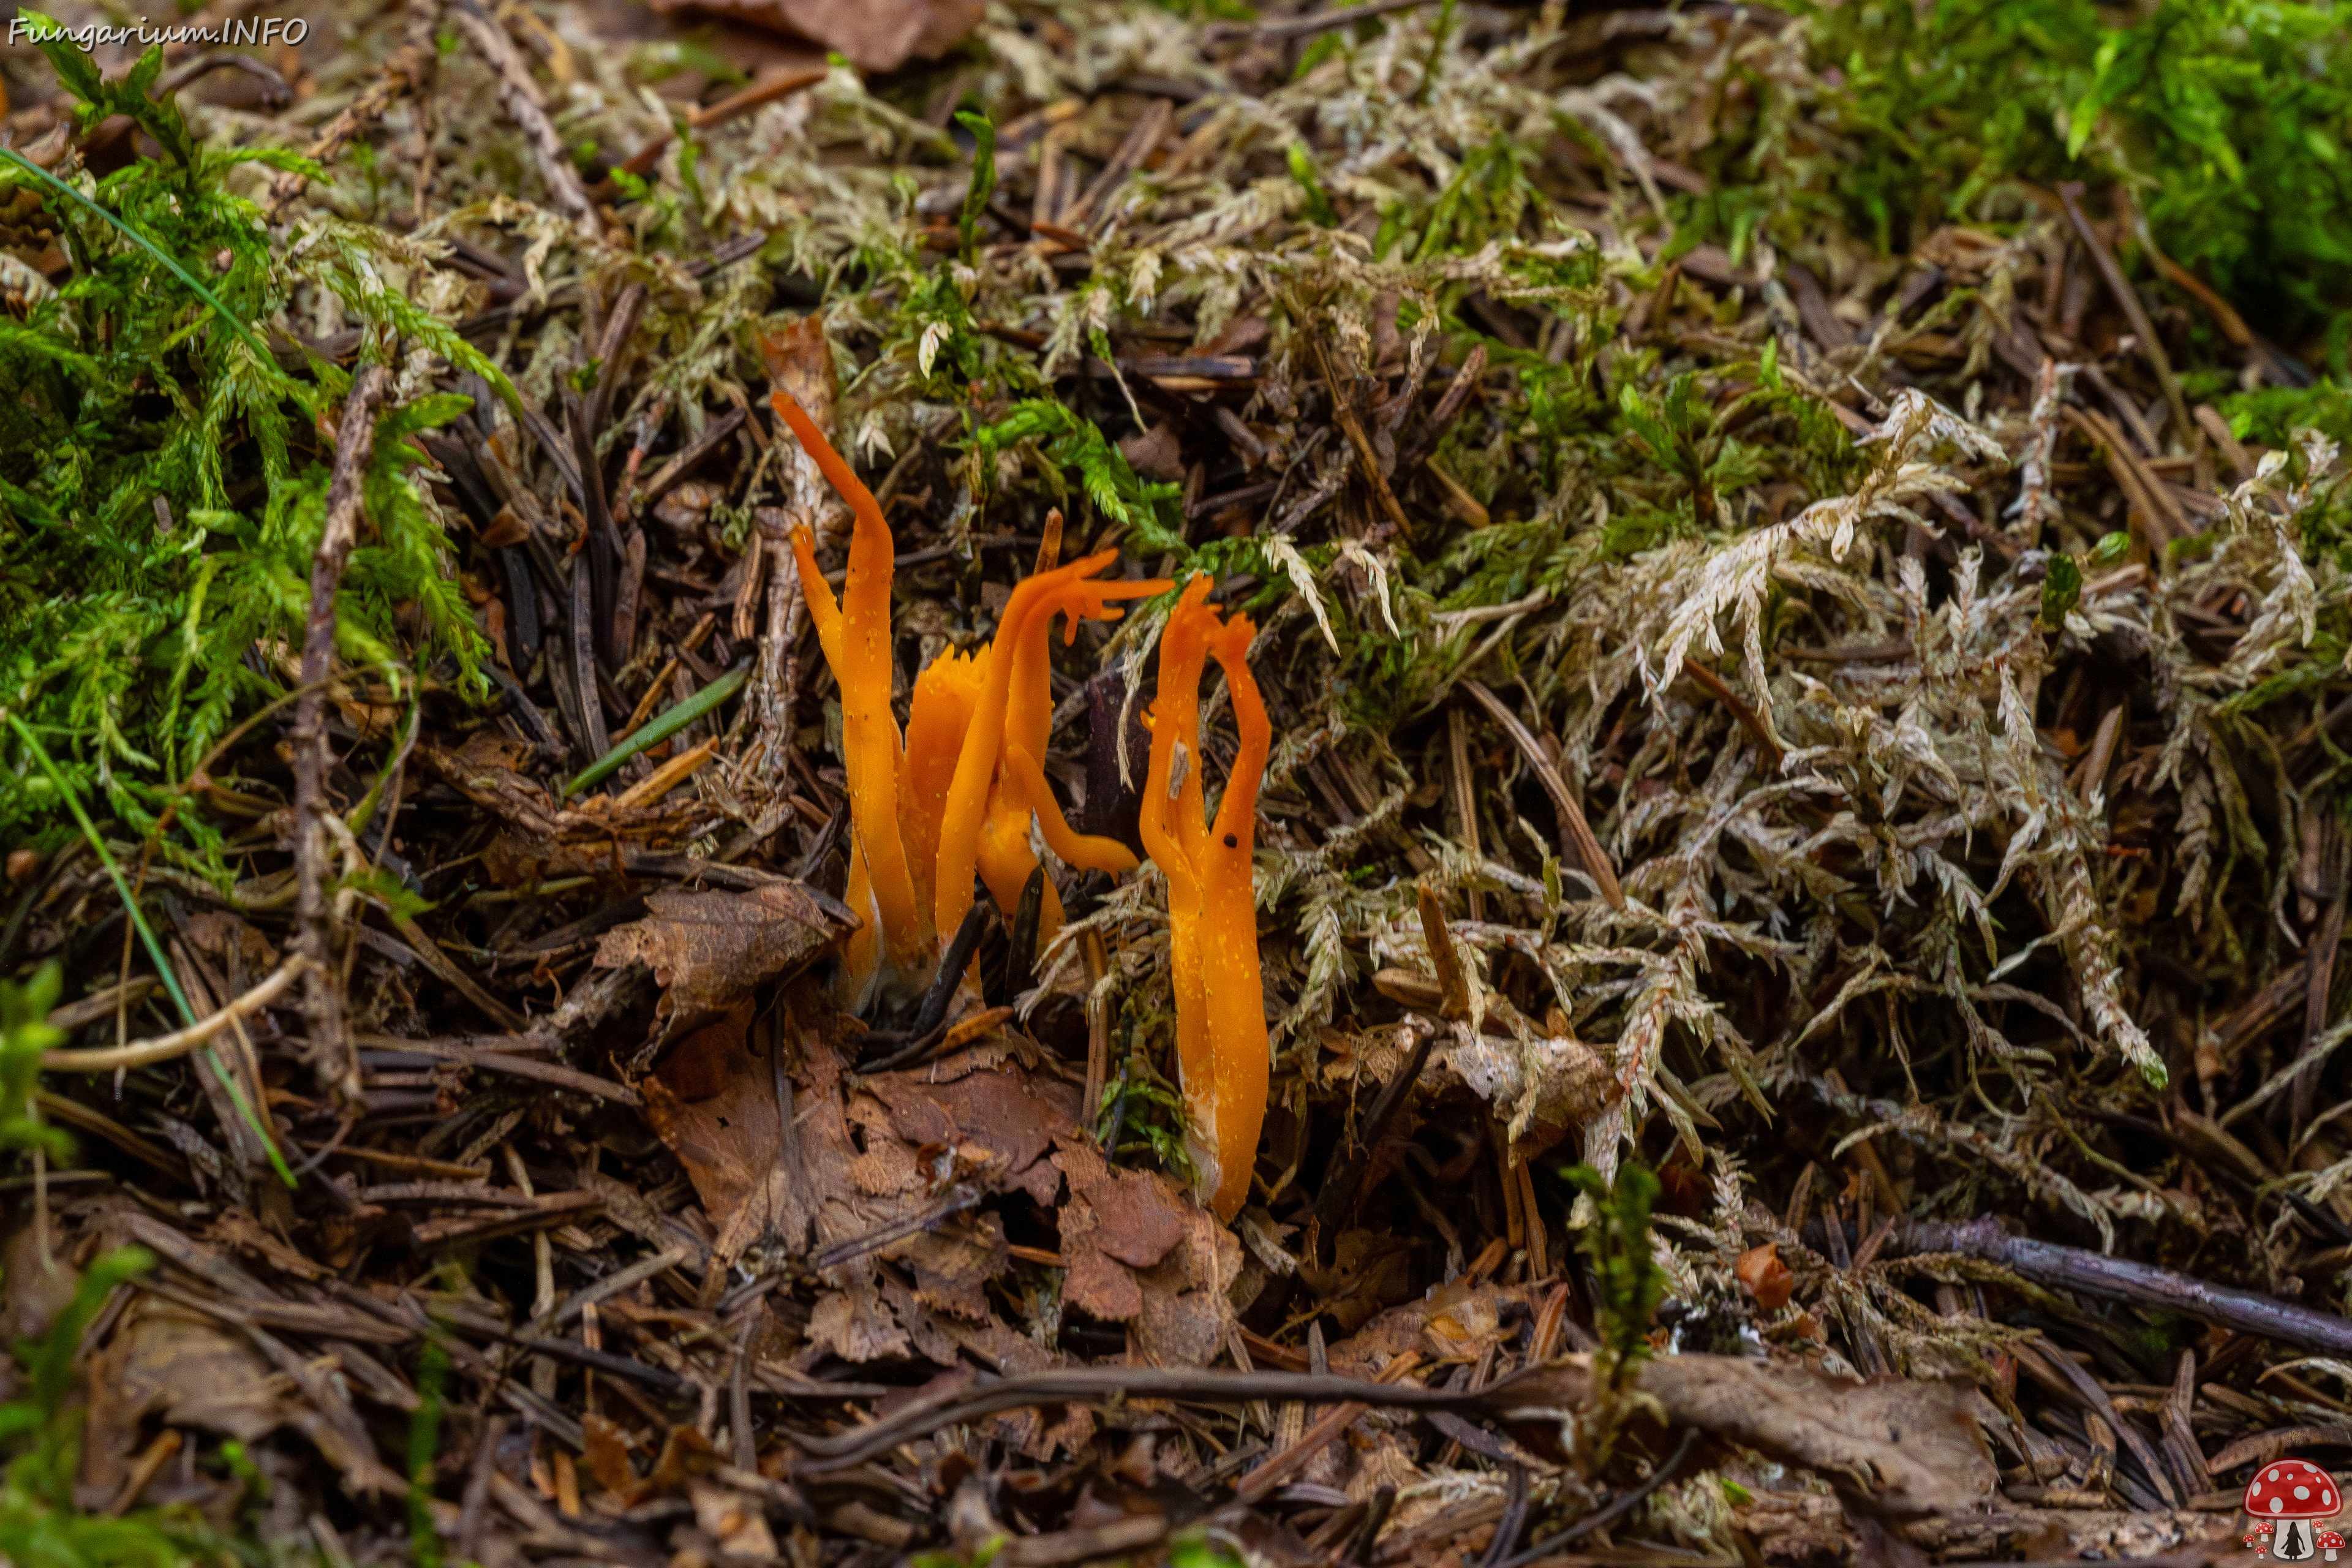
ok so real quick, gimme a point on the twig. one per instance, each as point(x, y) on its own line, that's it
point(1450, 403)
point(1320, 21)
point(2135, 1284)
point(1447, 622)
point(2071, 193)
point(1098, 957)
point(1343, 409)
point(1316, 1438)
point(1576, 834)
point(840, 1450)
point(2059, 1370)
point(2322, 968)
point(430, 952)
point(1722, 693)
point(180, 1042)
point(1454, 983)
point(2234, 326)
point(668, 476)
point(612, 1285)
point(1618, 1506)
point(478, 1488)
point(520, 96)
point(275, 93)
point(2142, 489)
point(330, 1052)
point(143, 1470)
point(1340, 1186)
point(1459, 782)
point(503, 1062)
point(406, 70)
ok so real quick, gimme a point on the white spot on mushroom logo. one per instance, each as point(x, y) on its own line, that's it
point(2289, 1499)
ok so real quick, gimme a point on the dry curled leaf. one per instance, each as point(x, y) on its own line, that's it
point(1914, 1446)
point(1140, 1252)
point(708, 950)
point(195, 1372)
point(1763, 1276)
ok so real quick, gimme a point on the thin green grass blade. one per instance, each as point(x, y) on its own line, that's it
point(154, 948)
point(661, 727)
point(168, 262)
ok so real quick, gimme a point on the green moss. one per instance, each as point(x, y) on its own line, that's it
point(166, 476)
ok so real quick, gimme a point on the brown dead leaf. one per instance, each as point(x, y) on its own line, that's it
point(713, 1101)
point(1914, 1447)
point(954, 1263)
point(855, 1323)
point(862, 1156)
point(1369, 1270)
point(1140, 1252)
point(1188, 1318)
point(876, 34)
point(37, 1288)
point(1461, 1318)
point(216, 934)
point(166, 1359)
point(1035, 1431)
point(708, 950)
point(1763, 1276)
point(685, 1454)
point(1156, 454)
point(608, 1453)
point(1016, 1117)
point(1114, 1223)
point(520, 858)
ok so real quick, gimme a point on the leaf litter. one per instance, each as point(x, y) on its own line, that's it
point(1797, 874)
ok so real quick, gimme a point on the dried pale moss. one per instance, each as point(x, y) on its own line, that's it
point(1895, 901)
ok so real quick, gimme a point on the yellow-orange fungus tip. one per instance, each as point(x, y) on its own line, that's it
point(1221, 1039)
point(956, 794)
point(856, 636)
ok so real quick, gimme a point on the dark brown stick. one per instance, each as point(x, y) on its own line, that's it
point(329, 1050)
point(592, 733)
point(1576, 834)
point(2321, 967)
point(478, 1488)
point(1722, 693)
point(855, 1446)
point(2071, 193)
point(2135, 1284)
point(718, 429)
point(1618, 1507)
point(1450, 403)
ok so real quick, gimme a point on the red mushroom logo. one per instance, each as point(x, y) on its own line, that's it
point(2331, 1542)
point(2290, 1494)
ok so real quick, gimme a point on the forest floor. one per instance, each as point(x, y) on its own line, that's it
point(1779, 755)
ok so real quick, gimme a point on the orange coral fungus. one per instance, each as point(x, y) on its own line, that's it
point(856, 636)
point(999, 781)
point(957, 792)
point(1221, 1043)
